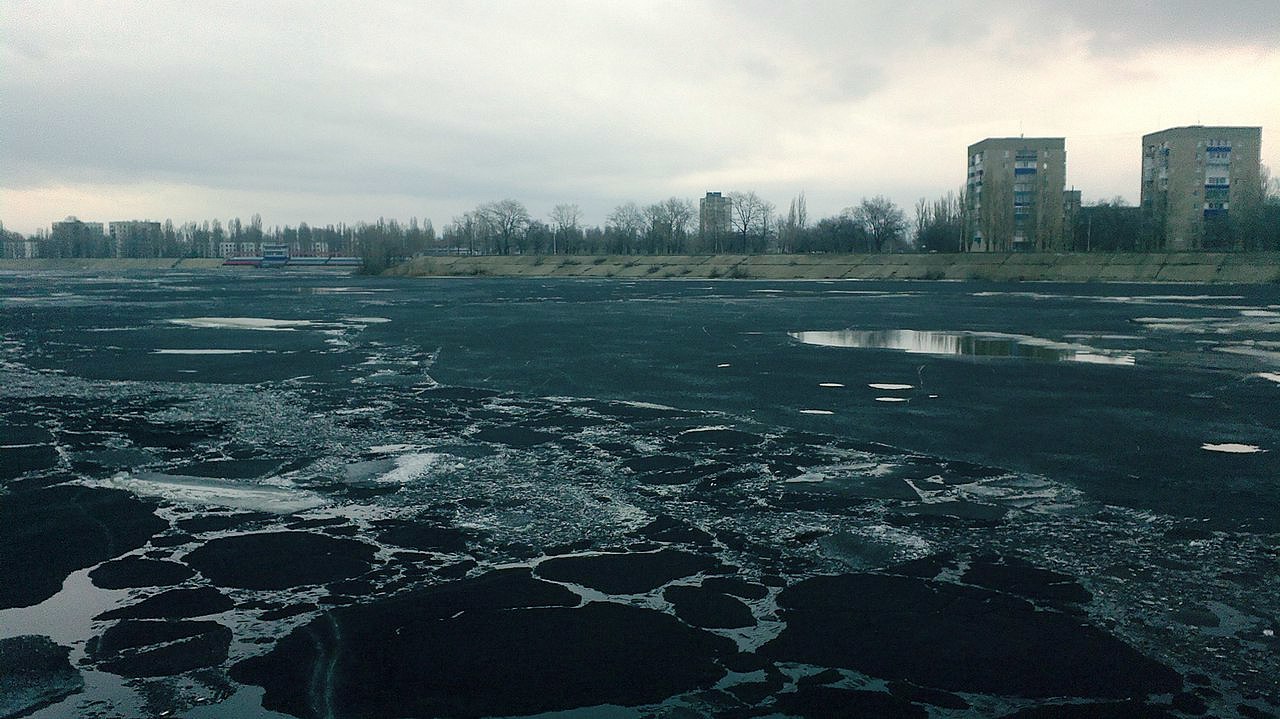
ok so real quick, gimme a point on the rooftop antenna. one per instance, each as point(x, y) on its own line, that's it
point(1021, 134)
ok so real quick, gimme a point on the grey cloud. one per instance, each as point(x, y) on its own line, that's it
point(546, 102)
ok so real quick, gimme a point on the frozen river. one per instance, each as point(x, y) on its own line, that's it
point(274, 494)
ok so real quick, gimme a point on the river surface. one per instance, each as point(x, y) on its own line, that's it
point(269, 494)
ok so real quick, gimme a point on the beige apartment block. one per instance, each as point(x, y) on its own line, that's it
point(1015, 194)
point(1198, 184)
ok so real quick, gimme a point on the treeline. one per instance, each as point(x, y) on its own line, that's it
point(745, 224)
point(213, 238)
point(737, 223)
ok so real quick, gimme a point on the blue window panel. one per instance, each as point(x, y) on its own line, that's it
point(1024, 171)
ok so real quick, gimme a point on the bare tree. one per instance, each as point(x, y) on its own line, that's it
point(564, 224)
point(750, 217)
point(668, 225)
point(791, 228)
point(625, 224)
point(940, 224)
point(505, 219)
point(884, 222)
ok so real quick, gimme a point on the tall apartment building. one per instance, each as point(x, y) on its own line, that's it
point(713, 215)
point(1015, 194)
point(1197, 178)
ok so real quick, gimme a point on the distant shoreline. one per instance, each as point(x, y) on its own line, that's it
point(1190, 267)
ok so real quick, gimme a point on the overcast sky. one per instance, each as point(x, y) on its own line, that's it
point(327, 112)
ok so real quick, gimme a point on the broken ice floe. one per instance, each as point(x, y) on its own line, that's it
point(236, 494)
point(398, 470)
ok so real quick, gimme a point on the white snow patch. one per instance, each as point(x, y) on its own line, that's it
point(712, 428)
point(242, 323)
point(390, 448)
point(890, 386)
point(807, 478)
point(1092, 358)
point(1232, 448)
point(816, 411)
point(216, 492)
point(830, 384)
point(891, 399)
point(723, 365)
point(1271, 376)
point(646, 405)
point(203, 352)
point(414, 466)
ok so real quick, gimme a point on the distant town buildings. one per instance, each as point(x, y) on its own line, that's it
point(1015, 200)
point(1199, 183)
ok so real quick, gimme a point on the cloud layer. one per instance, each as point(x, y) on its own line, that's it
point(342, 112)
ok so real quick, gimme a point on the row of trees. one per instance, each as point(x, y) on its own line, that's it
point(750, 225)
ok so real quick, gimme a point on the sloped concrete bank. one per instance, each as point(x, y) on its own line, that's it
point(1215, 267)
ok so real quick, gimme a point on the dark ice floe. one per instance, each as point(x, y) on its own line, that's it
point(978, 344)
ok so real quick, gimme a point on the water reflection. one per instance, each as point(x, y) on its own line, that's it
point(980, 344)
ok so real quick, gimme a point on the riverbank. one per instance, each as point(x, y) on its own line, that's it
point(1206, 267)
point(1210, 267)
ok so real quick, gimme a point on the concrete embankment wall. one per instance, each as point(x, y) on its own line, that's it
point(111, 264)
point(1248, 268)
point(1218, 267)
